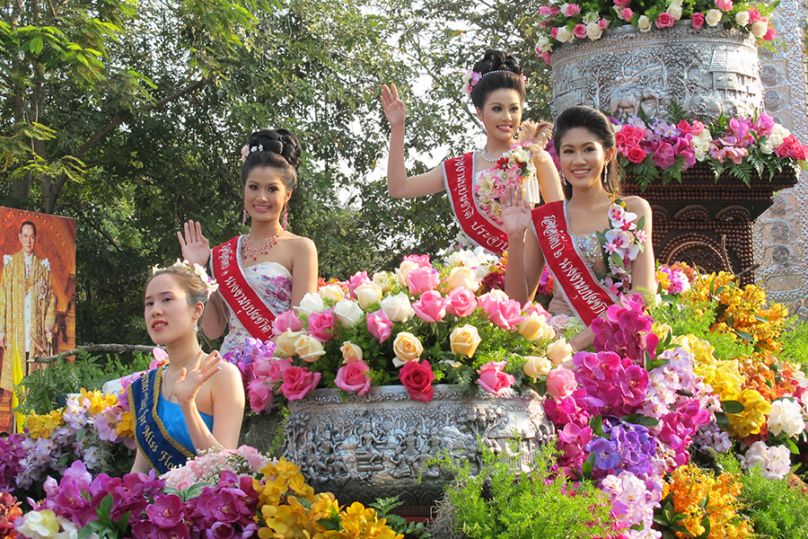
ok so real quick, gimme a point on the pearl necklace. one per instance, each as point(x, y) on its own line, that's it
point(248, 250)
point(489, 158)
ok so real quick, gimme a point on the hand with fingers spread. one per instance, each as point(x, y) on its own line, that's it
point(195, 246)
point(190, 381)
point(394, 107)
point(516, 214)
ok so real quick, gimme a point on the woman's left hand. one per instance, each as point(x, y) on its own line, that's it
point(189, 382)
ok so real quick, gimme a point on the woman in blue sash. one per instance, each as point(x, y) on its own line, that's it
point(195, 402)
point(474, 181)
point(267, 271)
point(596, 246)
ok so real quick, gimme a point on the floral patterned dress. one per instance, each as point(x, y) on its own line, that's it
point(273, 284)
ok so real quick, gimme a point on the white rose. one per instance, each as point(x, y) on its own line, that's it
point(759, 28)
point(559, 352)
point(367, 294)
point(564, 35)
point(286, 341)
point(675, 11)
point(593, 31)
point(348, 312)
point(591, 17)
point(461, 276)
point(713, 17)
point(308, 348)
point(311, 303)
point(333, 292)
point(397, 308)
point(385, 280)
point(544, 44)
point(742, 18)
point(644, 24)
point(767, 147)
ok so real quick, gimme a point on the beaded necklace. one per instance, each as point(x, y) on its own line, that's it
point(248, 250)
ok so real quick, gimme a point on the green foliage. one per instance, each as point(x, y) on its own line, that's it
point(383, 506)
point(500, 502)
point(795, 343)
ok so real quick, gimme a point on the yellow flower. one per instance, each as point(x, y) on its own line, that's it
point(124, 427)
point(41, 426)
point(98, 401)
point(753, 417)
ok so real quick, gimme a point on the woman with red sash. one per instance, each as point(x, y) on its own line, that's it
point(596, 246)
point(195, 402)
point(267, 271)
point(474, 181)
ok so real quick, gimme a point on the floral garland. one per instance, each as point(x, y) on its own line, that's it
point(622, 244)
point(567, 22)
point(210, 283)
point(514, 168)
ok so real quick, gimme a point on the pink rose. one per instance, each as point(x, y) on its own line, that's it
point(287, 320)
point(636, 155)
point(572, 10)
point(298, 381)
point(561, 383)
point(505, 313)
point(422, 279)
point(353, 377)
point(357, 280)
point(723, 5)
point(461, 302)
point(531, 308)
point(665, 20)
point(417, 377)
point(626, 14)
point(492, 379)
point(379, 325)
point(622, 3)
point(547, 57)
point(270, 369)
point(431, 307)
point(770, 34)
point(260, 395)
point(323, 325)
point(754, 15)
point(604, 23)
point(554, 33)
point(421, 260)
point(579, 31)
point(698, 20)
point(546, 11)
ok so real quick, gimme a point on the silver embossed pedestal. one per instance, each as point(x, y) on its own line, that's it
point(706, 71)
point(379, 445)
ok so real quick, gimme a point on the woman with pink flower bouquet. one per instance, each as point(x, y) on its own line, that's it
point(195, 402)
point(267, 271)
point(476, 181)
point(595, 245)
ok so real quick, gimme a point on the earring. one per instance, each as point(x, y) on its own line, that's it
point(244, 218)
point(196, 328)
point(605, 175)
point(285, 218)
point(563, 179)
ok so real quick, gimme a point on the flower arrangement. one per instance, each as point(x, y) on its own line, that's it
point(513, 168)
point(415, 326)
point(621, 246)
point(567, 22)
point(660, 150)
point(208, 466)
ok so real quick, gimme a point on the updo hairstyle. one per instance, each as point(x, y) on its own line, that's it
point(503, 71)
point(278, 149)
point(190, 282)
point(599, 125)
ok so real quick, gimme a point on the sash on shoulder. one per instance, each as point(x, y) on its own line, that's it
point(253, 313)
point(458, 175)
point(585, 293)
point(161, 451)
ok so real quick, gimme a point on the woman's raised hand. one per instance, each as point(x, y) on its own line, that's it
point(190, 381)
point(394, 107)
point(515, 211)
point(195, 246)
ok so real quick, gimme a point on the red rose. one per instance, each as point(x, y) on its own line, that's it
point(417, 378)
point(636, 155)
point(665, 20)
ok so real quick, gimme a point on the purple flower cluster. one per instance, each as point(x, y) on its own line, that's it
point(624, 446)
point(12, 454)
point(244, 358)
point(626, 330)
point(678, 427)
point(618, 383)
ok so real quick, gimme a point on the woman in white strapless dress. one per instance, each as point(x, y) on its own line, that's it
point(277, 265)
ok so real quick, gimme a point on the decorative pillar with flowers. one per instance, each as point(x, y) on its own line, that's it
point(682, 83)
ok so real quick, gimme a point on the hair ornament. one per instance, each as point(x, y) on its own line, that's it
point(471, 78)
point(247, 150)
point(210, 282)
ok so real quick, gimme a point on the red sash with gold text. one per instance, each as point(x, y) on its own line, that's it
point(240, 297)
point(458, 174)
point(585, 293)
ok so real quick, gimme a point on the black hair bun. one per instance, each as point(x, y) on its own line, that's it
point(495, 60)
point(278, 141)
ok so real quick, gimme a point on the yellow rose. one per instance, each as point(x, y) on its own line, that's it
point(308, 348)
point(333, 292)
point(461, 276)
point(465, 340)
point(559, 351)
point(537, 366)
point(367, 294)
point(350, 352)
point(403, 270)
point(534, 327)
point(407, 348)
point(385, 280)
point(286, 342)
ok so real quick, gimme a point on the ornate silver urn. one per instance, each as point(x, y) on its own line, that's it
point(381, 444)
point(706, 71)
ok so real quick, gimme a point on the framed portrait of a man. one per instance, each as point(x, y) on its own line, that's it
point(37, 294)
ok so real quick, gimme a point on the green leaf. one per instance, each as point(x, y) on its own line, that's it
point(792, 446)
point(744, 335)
point(732, 407)
point(721, 420)
point(596, 424)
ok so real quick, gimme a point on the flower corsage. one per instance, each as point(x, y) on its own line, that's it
point(513, 168)
point(621, 246)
